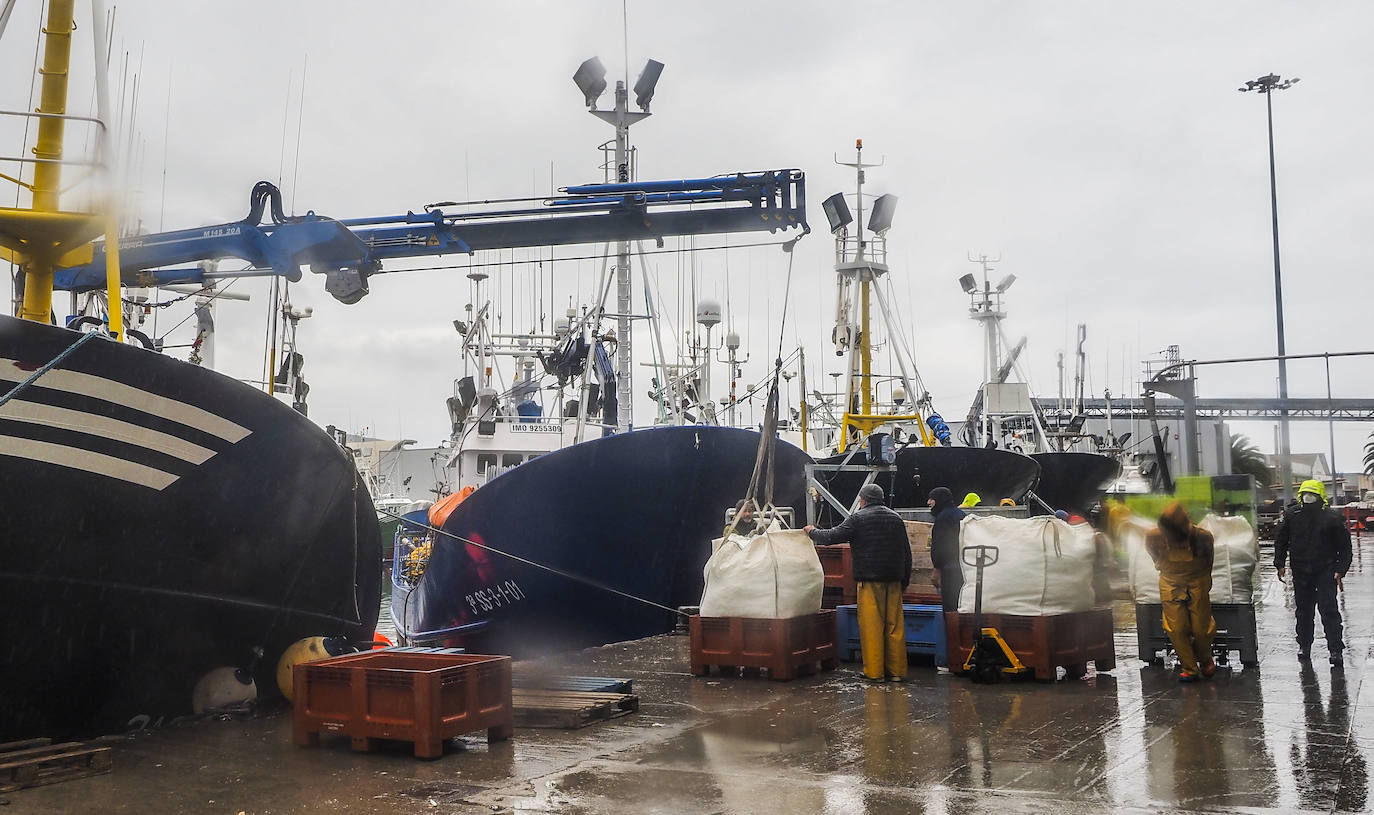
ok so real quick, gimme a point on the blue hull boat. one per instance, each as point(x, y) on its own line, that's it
point(595, 543)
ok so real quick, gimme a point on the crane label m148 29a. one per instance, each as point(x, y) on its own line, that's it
point(221, 231)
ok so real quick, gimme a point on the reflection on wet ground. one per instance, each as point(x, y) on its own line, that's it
point(1280, 737)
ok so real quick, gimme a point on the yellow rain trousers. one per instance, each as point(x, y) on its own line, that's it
point(1185, 582)
point(882, 630)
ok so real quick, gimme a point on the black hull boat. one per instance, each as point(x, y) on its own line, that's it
point(617, 518)
point(993, 474)
point(1073, 481)
point(159, 521)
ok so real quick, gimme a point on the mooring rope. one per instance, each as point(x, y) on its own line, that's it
point(574, 577)
point(57, 360)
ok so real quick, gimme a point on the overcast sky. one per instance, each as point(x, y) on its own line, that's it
point(1101, 149)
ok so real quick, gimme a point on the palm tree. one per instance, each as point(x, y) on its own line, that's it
point(1247, 459)
point(1369, 455)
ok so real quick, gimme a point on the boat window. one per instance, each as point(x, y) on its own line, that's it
point(485, 461)
point(511, 460)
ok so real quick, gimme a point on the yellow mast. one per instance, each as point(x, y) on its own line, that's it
point(38, 237)
point(865, 349)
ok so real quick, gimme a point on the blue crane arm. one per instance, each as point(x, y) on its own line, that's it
point(347, 252)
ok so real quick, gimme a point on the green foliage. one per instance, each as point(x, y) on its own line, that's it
point(1247, 459)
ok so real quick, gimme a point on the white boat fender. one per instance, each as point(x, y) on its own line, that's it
point(221, 688)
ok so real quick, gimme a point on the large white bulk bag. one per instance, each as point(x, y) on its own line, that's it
point(1044, 566)
point(776, 574)
point(1236, 554)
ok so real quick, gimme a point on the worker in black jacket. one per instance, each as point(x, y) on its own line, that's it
point(1317, 542)
point(882, 567)
point(944, 547)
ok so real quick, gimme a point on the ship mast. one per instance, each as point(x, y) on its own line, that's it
point(591, 80)
point(37, 237)
point(859, 262)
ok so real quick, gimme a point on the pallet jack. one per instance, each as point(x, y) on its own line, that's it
point(990, 659)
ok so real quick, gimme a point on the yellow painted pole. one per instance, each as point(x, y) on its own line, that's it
point(865, 347)
point(47, 174)
point(116, 307)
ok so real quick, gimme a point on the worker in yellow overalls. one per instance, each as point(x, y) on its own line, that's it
point(1183, 555)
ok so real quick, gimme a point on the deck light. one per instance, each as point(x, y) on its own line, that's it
point(881, 219)
point(837, 212)
point(591, 80)
point(648, 80)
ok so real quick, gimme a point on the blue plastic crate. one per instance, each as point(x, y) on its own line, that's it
point(925, 632)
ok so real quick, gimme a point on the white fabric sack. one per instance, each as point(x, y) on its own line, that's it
point(776, 575)
point(1236, 554)
point(1044, 566)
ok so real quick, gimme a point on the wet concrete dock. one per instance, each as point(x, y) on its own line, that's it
point(1282, 737)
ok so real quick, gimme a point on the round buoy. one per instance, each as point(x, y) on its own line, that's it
point(221, 688)
point(301, 651)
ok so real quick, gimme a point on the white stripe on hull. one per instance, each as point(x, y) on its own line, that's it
point(105, 427)
point(78, 459)
point(109, 390)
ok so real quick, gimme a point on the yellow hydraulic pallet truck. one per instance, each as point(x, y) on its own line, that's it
point(990, 659)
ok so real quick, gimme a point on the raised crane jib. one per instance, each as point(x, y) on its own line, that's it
point(348, 252)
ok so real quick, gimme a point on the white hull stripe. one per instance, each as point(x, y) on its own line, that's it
point(118, 393)
point(105, 427)
point(78, 459)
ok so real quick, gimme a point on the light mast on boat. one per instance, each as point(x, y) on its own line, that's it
point(591, 80)
point(859, 263)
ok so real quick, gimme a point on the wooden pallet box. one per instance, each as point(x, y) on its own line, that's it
point(837, 564)
point(1042, 643)
point(425, 697)
point(785, 647)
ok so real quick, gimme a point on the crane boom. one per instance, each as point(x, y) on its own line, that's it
point(347, 252)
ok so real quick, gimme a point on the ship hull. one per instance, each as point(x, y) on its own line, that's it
point(1073, 481)
point(620, 528)
point(159, 521)
point(993, 474)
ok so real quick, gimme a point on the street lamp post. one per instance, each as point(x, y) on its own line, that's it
point(1267, 85)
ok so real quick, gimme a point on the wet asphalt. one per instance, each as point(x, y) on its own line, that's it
point(1280, 737)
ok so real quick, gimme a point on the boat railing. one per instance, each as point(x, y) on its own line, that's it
point(91, 163)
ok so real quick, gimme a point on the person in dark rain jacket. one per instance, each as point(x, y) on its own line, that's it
point(1315, 542)
point(944, 546)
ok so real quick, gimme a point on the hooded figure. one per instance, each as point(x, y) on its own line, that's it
point(944, 546)
point(1317, 542)
point(1183, 555)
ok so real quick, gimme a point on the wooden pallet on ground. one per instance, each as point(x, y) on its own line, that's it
point(35, 762)
point(568, 709)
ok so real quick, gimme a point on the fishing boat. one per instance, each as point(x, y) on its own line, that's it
point(576, 529)
point(888, 419)
point(594, 543)
point(161, 521)
point(1075, 467)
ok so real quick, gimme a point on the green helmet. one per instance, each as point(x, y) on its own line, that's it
point(1315, 487)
